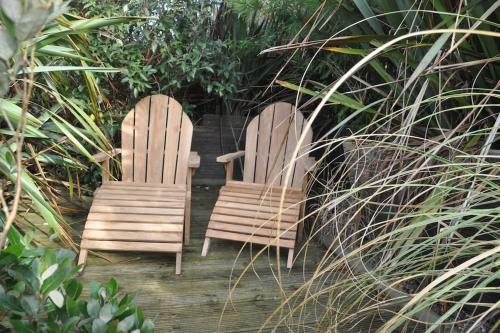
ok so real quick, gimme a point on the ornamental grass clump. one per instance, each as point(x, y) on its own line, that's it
point(406, 195)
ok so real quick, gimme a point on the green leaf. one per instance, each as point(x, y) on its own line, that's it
point(22, 326)
point(94, 287)
point(4, 78)
point(148, 326)
point(367, 12)
point(20, 287)
point(379, 68)
point(74, 289)
point(8, 44)
point(12, 8)
point(107, 312)
point(336, 98)
point(98, 326)
point(62, 51)
point(54, 281)
point(139, 315)
point(9, 109)
point(93, 308)
point(112, 286)
point(347, 50)
point(426, 60)
point(126, 324)
point(48, 272)
point(30, 304)
point(96, 23)
point(57, 297)
point(68, 130)
point(70, 324)
point(47, 69)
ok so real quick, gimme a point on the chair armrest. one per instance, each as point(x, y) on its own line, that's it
point(228, 160)
point(104, 155)
point(194, 160)
point(230, 157)
point(310, 163)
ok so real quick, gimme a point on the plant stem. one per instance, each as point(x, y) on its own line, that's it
point(19, 139)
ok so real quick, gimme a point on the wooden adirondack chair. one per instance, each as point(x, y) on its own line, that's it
point(247, 211)
point(149, 209)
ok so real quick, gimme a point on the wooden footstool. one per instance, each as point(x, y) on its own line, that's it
point(126, 216)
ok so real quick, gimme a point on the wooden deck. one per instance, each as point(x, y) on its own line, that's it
point(197, 300)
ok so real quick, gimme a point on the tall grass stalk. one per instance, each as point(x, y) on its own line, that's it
point(409, 213)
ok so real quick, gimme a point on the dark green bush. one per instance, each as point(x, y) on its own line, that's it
point(174, 49)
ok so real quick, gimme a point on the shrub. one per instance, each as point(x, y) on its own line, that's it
point(174, 50)
point(39, 292)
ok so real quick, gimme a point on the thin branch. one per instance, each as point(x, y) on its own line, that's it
point(19, 139)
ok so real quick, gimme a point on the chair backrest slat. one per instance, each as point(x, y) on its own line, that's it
point(270, 141)
point(281, 125)
point(171, 145)
point(156, 137)
point(156, 140)
point(128, 147)
point(184, 149)
point(141, 128)
point(299, 167)
point(263, 145)
point(251, 150)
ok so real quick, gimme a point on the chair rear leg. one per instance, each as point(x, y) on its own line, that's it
point(178, 261)
point(206, 246)
point(300, 227)
point(82, 258)
point(187, 219)
point(289, 262)
point(300, 232)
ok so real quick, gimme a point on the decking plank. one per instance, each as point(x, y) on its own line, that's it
point(249, 238)
point(130, 246)
point(137, 210)
point(263, 223)
point(253, 214)
point(159, 227)
point(250, 230)
point(136, 218)
point(142, 236)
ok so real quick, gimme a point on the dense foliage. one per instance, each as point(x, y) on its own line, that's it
point(408, 188)
point(202, 51)
point(173, 51)
point(49, 103)
point(39, 292)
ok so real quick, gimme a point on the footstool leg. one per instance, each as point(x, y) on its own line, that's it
point(82, 258)
point(206, 246)
point(290, 259)
point(178, 260)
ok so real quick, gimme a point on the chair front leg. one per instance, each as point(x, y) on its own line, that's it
point(229, 166)
point(187, 211)
point(300, 227)
point(82, 259)
point(289, 262)
point(105, 171)
point(302, 210)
